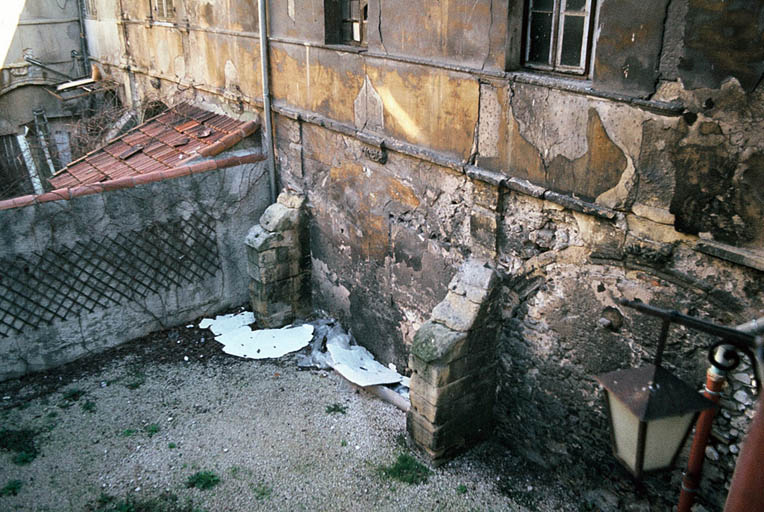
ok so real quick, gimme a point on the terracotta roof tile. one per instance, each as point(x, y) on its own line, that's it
point(160, 144)
point(152, 128)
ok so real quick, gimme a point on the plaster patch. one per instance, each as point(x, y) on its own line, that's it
point(231, 75)
point(623, 125)
point(290, 9)
point(555, 122)
point(179, 66)
point(368, 109)
point(488, 129)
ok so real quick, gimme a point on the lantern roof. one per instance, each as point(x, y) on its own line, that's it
point(651, 392)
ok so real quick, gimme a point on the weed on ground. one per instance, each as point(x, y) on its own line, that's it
point(336, 408)
point(152, 429)
point(262, 491)
point(11, 488)
point(406, 469)
point(21, 443)
point(135, 381)
point(166, 502)
point(203, 480)
point(71, 396)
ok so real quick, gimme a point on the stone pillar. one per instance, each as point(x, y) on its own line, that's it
point(453, 360)
point(278, 263)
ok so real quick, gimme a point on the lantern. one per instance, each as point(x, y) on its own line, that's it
point(651, 413)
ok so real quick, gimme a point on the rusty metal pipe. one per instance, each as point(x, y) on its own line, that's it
point(747, 489)
point(268, 142)
point(691, 477)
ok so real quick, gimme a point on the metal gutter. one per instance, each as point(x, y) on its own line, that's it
point(268, 142)
point(83, 38)
point(34, 176)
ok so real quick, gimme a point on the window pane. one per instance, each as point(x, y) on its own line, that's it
point(543, 5)
point(572, 38)
point(540, 37)
point(575, 5)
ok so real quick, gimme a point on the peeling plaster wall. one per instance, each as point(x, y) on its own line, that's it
point(642, 178)
point(384, 238)
point(564, 273)
point(182, 256)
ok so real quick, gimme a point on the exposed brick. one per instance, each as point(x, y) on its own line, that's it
point(481, 378)
point(440, 374)
point(452, 435)
point(464, 407)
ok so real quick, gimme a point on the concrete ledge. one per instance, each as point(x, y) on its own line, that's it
point(746, 257)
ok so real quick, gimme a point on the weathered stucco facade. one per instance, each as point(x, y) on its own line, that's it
point(642, 178)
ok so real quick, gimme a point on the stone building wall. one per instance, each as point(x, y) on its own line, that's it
point(642, 178)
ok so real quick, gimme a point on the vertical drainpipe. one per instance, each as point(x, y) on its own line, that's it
point(267, 96)
point(34, 176)
point(83, 39)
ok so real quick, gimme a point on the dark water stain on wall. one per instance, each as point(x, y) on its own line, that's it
point(593, 173)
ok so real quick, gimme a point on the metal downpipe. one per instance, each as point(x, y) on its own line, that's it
point(268, 142)
point(83, 39)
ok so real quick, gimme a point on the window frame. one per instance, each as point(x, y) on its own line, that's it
point(339, 15)
point(89, 8)
point(167, 12)
point(560, 14)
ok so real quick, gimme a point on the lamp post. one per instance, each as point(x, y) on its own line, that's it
point(651, 411)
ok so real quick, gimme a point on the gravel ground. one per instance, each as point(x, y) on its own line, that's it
point(159, 409)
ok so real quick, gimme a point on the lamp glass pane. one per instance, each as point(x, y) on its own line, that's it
point(663, 439)
point(625, 431)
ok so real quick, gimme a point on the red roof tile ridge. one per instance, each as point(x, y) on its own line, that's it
point(130, 181)
point(230, 140)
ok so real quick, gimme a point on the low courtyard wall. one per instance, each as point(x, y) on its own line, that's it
point(85, 274)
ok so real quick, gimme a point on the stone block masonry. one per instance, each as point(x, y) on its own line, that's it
point(453, 362)
point(278, 263)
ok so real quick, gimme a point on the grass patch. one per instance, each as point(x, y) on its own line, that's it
point(152, 429)
point(136, 380)
point(21, 442)
point(203, 480)
point(74, 394)
point(461, 489)
point(12, 488)
point(165, 502)
point(89, 406)
point(343, 443)
point(262, 491)
point(127, 432)
point(336, 408)
point(70, 396)
point(172, 446)
point(406, 469)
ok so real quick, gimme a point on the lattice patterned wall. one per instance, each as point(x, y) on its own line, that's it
point(61, 283)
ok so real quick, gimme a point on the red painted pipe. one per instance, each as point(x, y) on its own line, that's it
point(691, 478)
point(747, 489)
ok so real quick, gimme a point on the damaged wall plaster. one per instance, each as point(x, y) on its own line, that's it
point(628, 175)
point(86, 274)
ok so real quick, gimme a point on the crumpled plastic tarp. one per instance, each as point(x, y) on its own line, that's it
point(238, 339)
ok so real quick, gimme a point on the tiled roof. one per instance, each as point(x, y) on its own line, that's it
point(165, 142)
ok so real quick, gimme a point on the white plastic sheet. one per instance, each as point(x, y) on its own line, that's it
point(358, 366)
point(240, 340)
